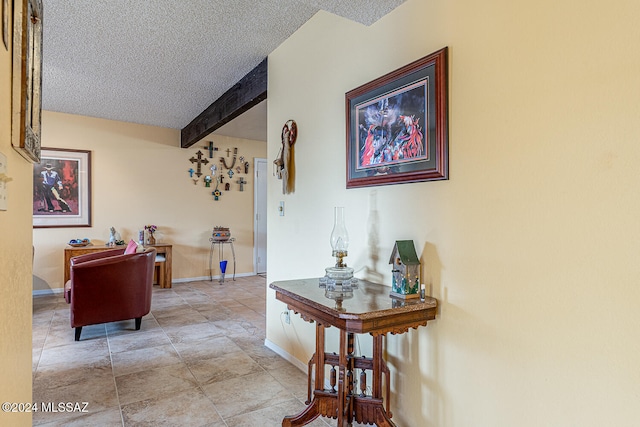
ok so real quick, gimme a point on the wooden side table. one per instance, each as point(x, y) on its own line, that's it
point(369, 309)
point(164, 279)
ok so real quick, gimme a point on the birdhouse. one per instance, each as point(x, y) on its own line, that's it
point(405, 270)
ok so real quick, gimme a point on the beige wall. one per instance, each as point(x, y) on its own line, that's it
point(15, 265)
point(140, 176)
point(532, 245)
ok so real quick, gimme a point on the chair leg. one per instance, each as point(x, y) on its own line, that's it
point(138, 322)
point(78, 332)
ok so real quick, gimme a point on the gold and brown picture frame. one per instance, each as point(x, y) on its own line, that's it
point(27, 78)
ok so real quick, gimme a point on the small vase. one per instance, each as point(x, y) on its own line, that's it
point(151, 240)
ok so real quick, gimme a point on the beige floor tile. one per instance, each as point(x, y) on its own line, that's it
point(154, 383)
point(246, 394)
point(98, 391)
point(206, 348)
point(137, 339)
point(192, 333)
point(75, 353)
point(271, 416)
point(141, 359)
point(223, 367)
point(106, 418)
point(187, 408)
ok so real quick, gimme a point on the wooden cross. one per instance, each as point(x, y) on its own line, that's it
point(211, 149)
point(228, 152)
point(199, 162)
point(241, 181)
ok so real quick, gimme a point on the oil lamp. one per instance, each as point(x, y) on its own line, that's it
point(339, 277)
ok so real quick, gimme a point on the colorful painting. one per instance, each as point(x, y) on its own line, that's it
point(61, 193)
point(397, 125)
point(390, 127)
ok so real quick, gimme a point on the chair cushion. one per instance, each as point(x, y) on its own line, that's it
point(132, 247)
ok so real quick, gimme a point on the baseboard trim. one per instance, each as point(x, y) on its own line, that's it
point(285, 355)
point(40, 292)
point(228, 277)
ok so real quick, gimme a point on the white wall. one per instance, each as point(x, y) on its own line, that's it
point(532, 245)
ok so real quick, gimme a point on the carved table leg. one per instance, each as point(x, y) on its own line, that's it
point(304, 417)
point(342, 387)
point(312, 411)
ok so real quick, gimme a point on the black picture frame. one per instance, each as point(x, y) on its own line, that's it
point(397, 125)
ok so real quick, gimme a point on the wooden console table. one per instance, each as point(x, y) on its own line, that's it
point(161, 249)
point(370, 310)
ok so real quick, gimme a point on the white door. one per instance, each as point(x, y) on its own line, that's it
point(260, 216)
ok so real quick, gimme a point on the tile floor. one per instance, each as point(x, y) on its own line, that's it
point(198, 360)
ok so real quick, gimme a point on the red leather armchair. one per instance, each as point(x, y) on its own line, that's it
point(109, 286)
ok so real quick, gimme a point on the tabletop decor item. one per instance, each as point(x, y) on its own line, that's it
point(339, 278)
point(151, 229)
point(78, 243)
point(405, 270)
point(114, 238)
point(221, 234)
point(397, 125)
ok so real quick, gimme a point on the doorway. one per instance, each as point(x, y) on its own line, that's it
point(260, 216)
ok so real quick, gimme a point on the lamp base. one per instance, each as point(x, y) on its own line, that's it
point(338, 279)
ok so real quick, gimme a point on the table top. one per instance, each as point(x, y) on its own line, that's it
point(100, 247)
point(369, 310)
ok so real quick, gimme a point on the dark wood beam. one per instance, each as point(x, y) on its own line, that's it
point(248, 92)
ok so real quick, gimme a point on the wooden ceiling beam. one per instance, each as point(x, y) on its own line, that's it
point(248, 92)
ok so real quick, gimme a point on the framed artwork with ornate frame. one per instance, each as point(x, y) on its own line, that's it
point(397, 125)
point(27, 78)
point(62, 189)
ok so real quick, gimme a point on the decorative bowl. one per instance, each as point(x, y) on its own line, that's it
point(221, 234)
point(77, 243)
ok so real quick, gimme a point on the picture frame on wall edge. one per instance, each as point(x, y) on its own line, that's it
point(27, 79)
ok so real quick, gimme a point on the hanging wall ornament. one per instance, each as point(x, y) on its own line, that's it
point(285, 162)
point(199, 161)
point(242, 182)
point(216, 193)
point(233, 163)
point(209, 147)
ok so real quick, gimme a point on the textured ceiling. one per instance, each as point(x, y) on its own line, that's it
point(162, 62)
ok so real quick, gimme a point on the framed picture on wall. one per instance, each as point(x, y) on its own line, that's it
point(397, 130)
point(62, 189)
point(27, 78)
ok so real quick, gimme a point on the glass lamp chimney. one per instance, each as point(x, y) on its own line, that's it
point(339, 237)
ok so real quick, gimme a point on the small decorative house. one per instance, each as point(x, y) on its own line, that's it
point(405, 270)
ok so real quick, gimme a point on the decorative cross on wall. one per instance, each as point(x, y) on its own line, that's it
point(199, 162)
point(241, 181)
point(211, 149)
